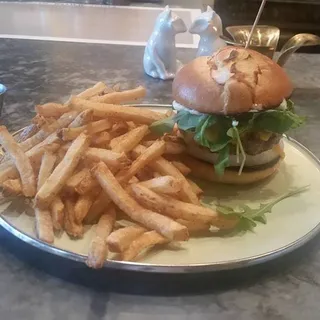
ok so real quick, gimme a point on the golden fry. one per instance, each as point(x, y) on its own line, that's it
point(41, 135)
point(164, 167)
point(171, 147)
point(143, 242)
point(57, 213)
point(131, 125)
point(12, 186)
point(196, 189)
point(124, 176)
point(145, 174)
point(51, 109)
point(181, 167)
point(76, 179)
point(152, 220)
point(68, 134)
point(119, 129)
point(47, 164)
point(194, 226)
point(8, 169)
point(128, 141)
point(151, 153)
point(72, 228)
point(119, 240)
point(21, 161)
point(81, 182)
point(164, 184)
point(172, 207)
point(98, 250)
point(44, 225)
point(28, 132)
point(103, 110)
point(122, 96)
point(98, 207)
point(226, 222)
point(101, 139)
point(82, 119)
point(113, 159)
point(62, 172)
point(97, 89)
point(83, 205)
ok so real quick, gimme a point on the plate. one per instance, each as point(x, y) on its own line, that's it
point(292, 222)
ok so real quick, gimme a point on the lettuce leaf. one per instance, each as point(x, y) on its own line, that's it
point(215, 131)
point(249, 216)
point(278, 121)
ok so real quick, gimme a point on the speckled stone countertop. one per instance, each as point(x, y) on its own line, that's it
point(37, 286)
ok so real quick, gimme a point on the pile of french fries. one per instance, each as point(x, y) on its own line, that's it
point(94, 161)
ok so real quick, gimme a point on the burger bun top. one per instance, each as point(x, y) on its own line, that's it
point(234, 80)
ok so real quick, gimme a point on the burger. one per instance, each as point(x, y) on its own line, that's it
point(232, 110)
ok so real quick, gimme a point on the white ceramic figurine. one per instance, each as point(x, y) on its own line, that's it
point(209, 26)
point(160, 58)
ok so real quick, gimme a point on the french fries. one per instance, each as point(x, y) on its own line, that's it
point(174, 208)
point(195, 226)
point(171, 147)
point(21, 161)
point(96, 90)
point(52, 109)
point(103, 110)
point(68, 134)
point(72, 228)
point(62, 172)
point(74, 181)
point(164, 167)
point(152, 153)
point(82, 119)
point(88, 158)
point(101, 139)
point(83, 205)
point(164, 184)
point(181, 167)
point(113, 159)
point(28, 132)
point(98, 249)
point(46, 168)
point(42, 134)
point(124, 176)
point(44, 225)
point(57, 213)
point(152, 220)
point(121, 97)
point(127, 142)
point(143, 242)
point(12, 186)
point(119, 128)
point(119, 240)
point(97, 208)
point(196, 189)
point(144, 174)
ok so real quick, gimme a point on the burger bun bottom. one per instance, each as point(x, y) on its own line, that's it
point(204, 170)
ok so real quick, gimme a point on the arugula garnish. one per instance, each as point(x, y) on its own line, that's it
point(218, 132)
point(163, 126)
point(248, 217)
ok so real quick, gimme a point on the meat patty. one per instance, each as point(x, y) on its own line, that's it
point(253, 144)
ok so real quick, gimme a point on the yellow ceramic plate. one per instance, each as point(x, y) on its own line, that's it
point(292, 222)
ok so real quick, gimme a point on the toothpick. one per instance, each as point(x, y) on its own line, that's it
point(255, 22)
